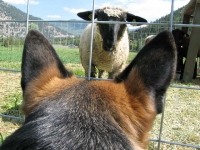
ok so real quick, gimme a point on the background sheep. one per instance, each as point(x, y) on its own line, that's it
point(108, 38)
point(182, 41)
point(148, 38)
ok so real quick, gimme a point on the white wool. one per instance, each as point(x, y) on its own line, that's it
point(103, 61)
point(113, 62)
point(113, 11)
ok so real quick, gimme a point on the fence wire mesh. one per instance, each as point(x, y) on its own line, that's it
point(177, 128)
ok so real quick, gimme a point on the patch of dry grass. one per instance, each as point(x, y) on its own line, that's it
point(182, 112)
point(181, 121)
point(10, 85)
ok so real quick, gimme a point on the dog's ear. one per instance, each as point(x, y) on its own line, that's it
point(40, 59)
point(152, 69)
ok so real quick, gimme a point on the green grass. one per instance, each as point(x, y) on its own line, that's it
point(13, 102)
point(11, 59)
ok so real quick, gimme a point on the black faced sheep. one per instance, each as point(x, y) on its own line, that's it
point(110, 42)
point(182, 41)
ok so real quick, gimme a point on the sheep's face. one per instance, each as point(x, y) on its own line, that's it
point(110, 33)
point(178, 35)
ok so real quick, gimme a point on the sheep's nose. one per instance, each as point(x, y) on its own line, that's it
point(109, 48)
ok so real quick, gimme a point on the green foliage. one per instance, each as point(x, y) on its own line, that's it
point(131, 56)
point(33, 26)
point(66, 41)
point(1, 138)
point(8, 41)
point(13, 102)
point(79, 72)
point(141, 33)
point(11, 42)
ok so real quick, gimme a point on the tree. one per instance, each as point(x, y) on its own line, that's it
point(8, 41)
point(33, 26)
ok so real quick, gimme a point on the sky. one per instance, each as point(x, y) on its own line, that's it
point(67, 9)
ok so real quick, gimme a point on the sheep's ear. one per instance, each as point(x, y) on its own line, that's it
point(152, 69)
point(133, 18)
point(40, 59)
point(185, 34)
point(86, 15)
point(182, 32)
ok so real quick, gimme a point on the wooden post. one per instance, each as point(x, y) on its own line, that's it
point(193, 46)
point(186, 20)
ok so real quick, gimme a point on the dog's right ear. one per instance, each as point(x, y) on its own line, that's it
point(152, 69)
point(40, 59)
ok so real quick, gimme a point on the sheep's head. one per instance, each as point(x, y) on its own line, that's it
point(111, 33)
point(179, 35)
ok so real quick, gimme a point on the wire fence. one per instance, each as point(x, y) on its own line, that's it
point(12, 36)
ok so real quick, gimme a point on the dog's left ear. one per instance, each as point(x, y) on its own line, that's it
point(38, 56)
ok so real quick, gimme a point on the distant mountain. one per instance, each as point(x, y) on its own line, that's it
point(71, 27)
point(77, 28)
point(9, 12)
point(61, 29)
point(18, 29)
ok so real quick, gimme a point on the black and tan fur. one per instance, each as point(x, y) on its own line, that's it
point(64, 112)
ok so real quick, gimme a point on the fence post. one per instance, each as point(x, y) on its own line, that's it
point(172, 15)
point(161, 122)
point(91, 43)
point(27, 17)
point(193, 47)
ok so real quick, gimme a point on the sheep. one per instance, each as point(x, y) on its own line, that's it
point(110, 43)
point(148, 38)
point(182, 41)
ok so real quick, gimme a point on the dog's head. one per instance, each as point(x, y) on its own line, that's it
point(64, 112)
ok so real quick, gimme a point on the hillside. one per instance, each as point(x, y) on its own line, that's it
point(74, 28)
point(154, 29)
point(18, 29)
point(63, 29)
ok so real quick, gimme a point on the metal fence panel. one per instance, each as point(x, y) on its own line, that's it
point(9, 71)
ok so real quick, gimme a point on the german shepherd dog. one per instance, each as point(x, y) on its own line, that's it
point(64, 112)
